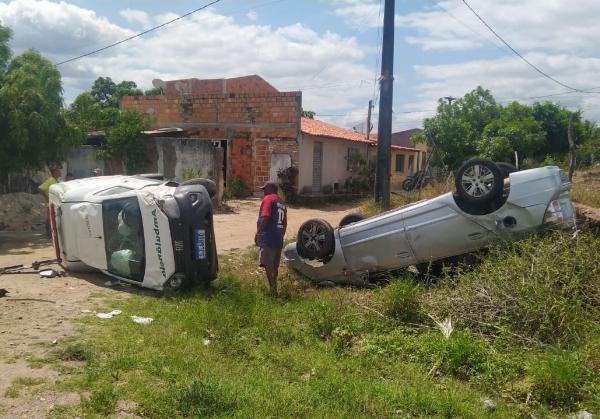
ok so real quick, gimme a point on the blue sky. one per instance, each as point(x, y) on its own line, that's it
point(328, 49)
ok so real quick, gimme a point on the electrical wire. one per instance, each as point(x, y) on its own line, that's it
point(518, 54)
point(137, 35)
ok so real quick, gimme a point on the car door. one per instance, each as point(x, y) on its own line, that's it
point(378, 243)
point(438, 228)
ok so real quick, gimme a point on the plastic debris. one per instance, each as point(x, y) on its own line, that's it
point(206, 342)
point(142, 320)
point(489, 405)
point(85, 310)
point(109, 315)
point(444, 326)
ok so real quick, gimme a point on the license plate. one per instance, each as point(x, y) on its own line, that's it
point(200, 244)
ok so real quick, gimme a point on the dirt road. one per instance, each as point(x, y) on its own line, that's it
point(38, 315)
point(235, 229)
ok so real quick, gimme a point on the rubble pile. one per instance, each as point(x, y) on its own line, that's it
point(22, 211)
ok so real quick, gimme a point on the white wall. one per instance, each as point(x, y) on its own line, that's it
point(335, 163)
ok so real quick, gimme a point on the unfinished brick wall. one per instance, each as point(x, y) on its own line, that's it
point(247, 84)
point(263, 148)
point(256, 124)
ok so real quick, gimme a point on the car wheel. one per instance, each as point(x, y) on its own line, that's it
point(506, 168)
point(315, 239)
point(209, 185)
point(351, 218)
point(479, 181)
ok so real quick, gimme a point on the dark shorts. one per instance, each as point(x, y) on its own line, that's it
point(269, 257)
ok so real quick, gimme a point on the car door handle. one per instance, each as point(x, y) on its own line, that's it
point(403, 255)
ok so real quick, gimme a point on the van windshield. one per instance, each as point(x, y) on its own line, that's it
point(124, 238)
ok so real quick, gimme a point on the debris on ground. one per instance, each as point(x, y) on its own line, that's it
point(489, 405)
point(142, 320)
point(21, 211)
point(108, 315)
point(3, 292)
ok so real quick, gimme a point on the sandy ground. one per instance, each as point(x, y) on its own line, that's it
point(235, 230)
point(38, 315)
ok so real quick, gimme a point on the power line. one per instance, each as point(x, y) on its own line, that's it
point(518, 54)
point(137, 35)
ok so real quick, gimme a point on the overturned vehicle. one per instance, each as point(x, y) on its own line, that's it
point(492, 202)
point(138, 229)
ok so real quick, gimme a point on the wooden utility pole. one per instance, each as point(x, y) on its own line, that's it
point(369, 120)
point(572, 151)
point(386, 94)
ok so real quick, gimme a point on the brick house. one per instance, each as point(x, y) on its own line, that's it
point(257, 125)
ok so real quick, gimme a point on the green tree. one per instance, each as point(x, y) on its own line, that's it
point(33, 128)
point(5, 53)
point(88, 114)
point(514, 130)
point(108, 93)
point(123, 140)
point(308, 114)
point(555, 122)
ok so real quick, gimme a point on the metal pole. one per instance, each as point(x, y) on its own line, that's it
point(384, 129)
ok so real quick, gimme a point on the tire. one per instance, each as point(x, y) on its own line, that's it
point(479, 181)
point(351, 218)
point(506, 168)
point(407, 184)
point(214, 261)
point(209, 185)
point(315, 239)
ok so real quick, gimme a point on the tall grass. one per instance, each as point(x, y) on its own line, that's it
point(526, 334)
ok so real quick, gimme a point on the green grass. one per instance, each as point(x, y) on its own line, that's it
point(21, 383)
point(526, 334)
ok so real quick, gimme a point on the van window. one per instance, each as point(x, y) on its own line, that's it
point(124, 238)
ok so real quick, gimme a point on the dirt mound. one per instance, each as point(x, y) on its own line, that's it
point(22, 211)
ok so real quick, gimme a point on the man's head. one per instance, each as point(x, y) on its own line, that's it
point(55, 172)
point(270, 187)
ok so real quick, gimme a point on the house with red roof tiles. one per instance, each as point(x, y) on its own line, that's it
point(327, 156)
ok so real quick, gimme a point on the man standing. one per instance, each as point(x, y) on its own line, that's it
point(44, 188)
point(270, 230)
point(54, 177)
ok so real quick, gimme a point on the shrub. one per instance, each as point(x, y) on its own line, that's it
point(543, 290)
point(401, 301)
point(103, 401)
point(463, 356)
point(205, 398)
point(236, 188)
point(287, 182)
point(557, 378)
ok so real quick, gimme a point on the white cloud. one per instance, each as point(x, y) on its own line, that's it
point(205, 45)
point(57, 28)
point(508, 78)
point(136, 16)
point(552, 25)
point(252, 15)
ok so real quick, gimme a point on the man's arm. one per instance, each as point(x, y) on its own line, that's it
point(263, 222)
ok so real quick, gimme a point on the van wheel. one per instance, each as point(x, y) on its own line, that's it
point(209, 185)
point(479, 181)
point(315, 239)
point(351, 218)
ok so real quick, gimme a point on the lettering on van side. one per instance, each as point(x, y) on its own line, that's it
point(158, 245)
